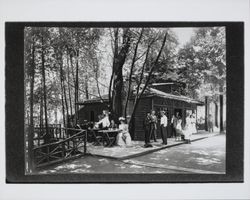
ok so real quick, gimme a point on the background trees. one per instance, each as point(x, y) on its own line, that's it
point(140, 55)
point(67, 65)
point(57, 67)
point(202, 66)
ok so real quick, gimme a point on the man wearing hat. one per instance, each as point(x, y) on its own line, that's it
point(146, 126)
point(153, 125)
point(163, 127)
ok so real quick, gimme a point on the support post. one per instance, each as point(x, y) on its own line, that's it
point(206, 113)
point(221, 113)
point(216, 114)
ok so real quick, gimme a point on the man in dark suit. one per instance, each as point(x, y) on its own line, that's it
point(146, 126)
point(153, 126)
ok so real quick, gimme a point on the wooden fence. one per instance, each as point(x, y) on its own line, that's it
point(68, 142)
point(54, 130)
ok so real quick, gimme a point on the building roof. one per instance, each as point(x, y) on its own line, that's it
point(104, 98)
point(156, 84)
point(159, 93)
point(148, 92)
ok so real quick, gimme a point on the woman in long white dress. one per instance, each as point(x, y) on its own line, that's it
point(178, 129)
point(123, 138)
point(187, 132)
point(193, 124)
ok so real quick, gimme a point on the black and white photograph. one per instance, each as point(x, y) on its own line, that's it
point(125, 100)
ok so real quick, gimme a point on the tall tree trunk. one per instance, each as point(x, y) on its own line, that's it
point(216, 114)
point(47, 136)
point(86, 86)
point(69, 90)
point(62, 90)
point(131, 73)
point(220, 67)
point(31, 129)
point(76, 87)
point(63, 109)
point(115, 53)
point(74, 81)
point(32, 79)
point(221, 113)
point(206, 113)
point(41, 114)
point(72, 68)
point(41, 126)
point(119, 60)
point(66, 105)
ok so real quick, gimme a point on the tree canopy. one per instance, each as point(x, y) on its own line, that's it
point(64, 66)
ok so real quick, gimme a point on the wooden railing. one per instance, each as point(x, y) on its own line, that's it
point(62, 150)
point(55, 131)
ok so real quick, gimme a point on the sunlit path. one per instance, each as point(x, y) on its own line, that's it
point(206, 156)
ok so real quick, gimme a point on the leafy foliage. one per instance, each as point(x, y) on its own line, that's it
point(202, 63)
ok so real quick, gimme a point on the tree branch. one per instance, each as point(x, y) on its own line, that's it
point(131, 71)
point(150, 73)
point(115, 52)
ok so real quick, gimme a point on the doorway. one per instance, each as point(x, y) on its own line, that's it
point(92, 116)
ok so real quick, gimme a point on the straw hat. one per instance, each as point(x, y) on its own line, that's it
point(121, 119)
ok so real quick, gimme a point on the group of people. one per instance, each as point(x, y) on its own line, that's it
point(150, 127)
point(123, 138)
point(179, 130)
point(151, 123)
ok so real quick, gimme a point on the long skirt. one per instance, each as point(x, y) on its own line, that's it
point(123, 139)
point(193, 128)
point(187, 132)
point(178, 130)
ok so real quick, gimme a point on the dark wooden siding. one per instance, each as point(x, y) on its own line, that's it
point(97, 108)
point(144, 106)
point(171, 106)
point(140, 113)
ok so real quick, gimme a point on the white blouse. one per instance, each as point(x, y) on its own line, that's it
point(164, 121)
point(105, 122)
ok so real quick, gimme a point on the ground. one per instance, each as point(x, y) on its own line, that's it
point(203, 156)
